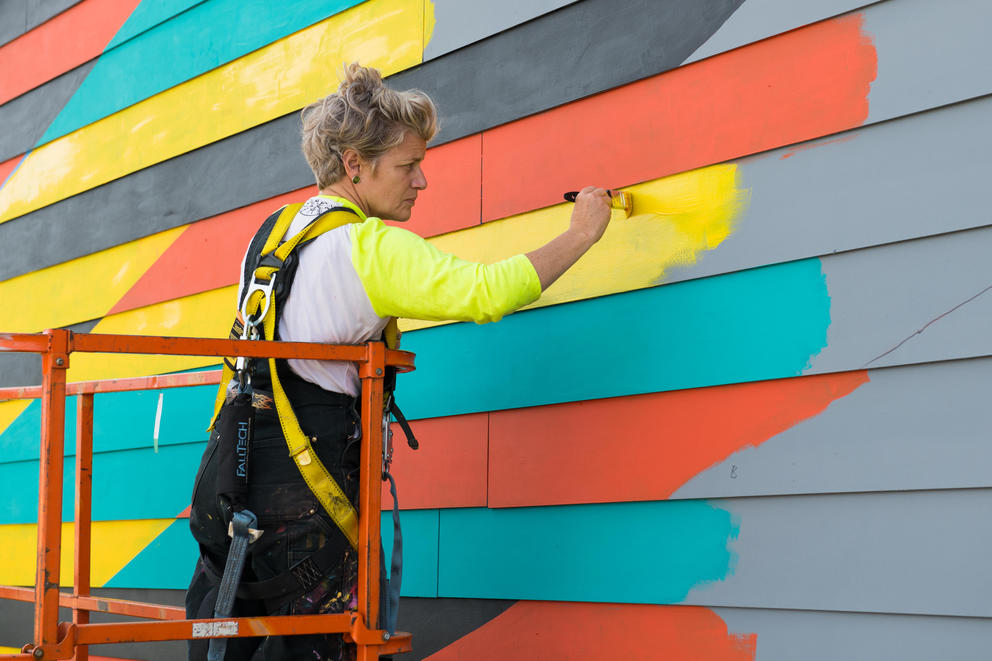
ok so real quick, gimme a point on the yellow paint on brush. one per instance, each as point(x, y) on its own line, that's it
point(674, 220)
point(114, 544)
point(268, 83)
point(82, 289)
point(202, 315)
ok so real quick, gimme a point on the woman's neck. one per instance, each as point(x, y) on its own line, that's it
point(346, 191)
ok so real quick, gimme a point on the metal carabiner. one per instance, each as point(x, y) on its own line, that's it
point(387, 438)
point(266, 291)
point(250, 326)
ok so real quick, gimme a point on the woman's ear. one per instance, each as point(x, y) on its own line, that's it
point(352, 163)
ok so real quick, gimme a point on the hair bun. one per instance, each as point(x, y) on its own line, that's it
point(360, 84)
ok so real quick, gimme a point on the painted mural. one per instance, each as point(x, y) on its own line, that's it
point(748, 425)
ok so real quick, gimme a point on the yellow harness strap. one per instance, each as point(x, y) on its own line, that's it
point(327, 491)
point(314, 473)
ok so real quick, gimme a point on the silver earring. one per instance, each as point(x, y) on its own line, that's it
point(355, 179)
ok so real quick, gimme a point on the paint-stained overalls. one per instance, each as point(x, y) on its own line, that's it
point(295, 525)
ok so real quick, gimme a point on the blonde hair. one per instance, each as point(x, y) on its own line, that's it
point(363, 115)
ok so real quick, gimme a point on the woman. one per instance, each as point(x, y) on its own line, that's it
point(365, 144)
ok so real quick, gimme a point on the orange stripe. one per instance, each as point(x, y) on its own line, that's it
point(562, 630)
point(793, 87)
point(643, 447)
point(449, 469)
point(206, 255)
point(74, 37)
point(609, 450)
point(7, 167)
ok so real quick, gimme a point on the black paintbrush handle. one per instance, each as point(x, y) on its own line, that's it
point(572, 194)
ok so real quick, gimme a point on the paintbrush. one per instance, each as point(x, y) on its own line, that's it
point(618, 200)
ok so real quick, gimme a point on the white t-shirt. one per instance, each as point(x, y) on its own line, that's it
point(352, 279)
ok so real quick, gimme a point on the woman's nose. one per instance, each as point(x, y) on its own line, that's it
point(419, 180)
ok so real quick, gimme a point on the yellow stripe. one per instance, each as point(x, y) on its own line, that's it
point(674, 221)
point(272, 81)
point(202, 315)
point(81, 289)
point(9, 411)
point(114, 544)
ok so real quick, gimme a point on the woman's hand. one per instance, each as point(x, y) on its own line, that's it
point(591, 213)
point(590, 217)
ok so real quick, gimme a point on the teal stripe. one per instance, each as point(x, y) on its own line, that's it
point(166, 563)
point(762, 323)
point(420, 538)
point(649, 552)
point(129, 484)
point(193, 42)
point(147, 15)
point(120, 421)
point(653, 552)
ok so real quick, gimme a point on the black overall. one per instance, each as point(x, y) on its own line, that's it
point(294, 523)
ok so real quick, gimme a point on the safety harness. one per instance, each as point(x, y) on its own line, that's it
point(270, 267)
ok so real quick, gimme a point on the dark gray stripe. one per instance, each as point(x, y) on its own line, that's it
point(24, 369)
point(32, 112)
point(20, 16)
point(225, 175)
point(488, 83)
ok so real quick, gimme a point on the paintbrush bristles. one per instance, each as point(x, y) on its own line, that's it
point(622, 200)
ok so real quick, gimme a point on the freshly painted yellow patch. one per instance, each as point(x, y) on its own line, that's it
point(81, 289)
point(114, 544)
point(429, 22)
point(202, 315)
point(674, 220)
point(268, 83)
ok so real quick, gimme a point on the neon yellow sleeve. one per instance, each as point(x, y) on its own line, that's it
point(404, 276)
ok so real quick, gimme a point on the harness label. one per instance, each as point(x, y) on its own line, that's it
point(214, 629)
point(242, 449)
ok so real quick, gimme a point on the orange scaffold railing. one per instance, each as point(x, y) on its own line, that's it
point(69, 640)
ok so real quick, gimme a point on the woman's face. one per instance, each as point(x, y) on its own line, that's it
point(391, 190)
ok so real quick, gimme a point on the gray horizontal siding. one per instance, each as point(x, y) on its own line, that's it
point(912, 302)
point(20, 16)
point(759, 19)
point(914, 552)
point(822, 636)
point(908, 428)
